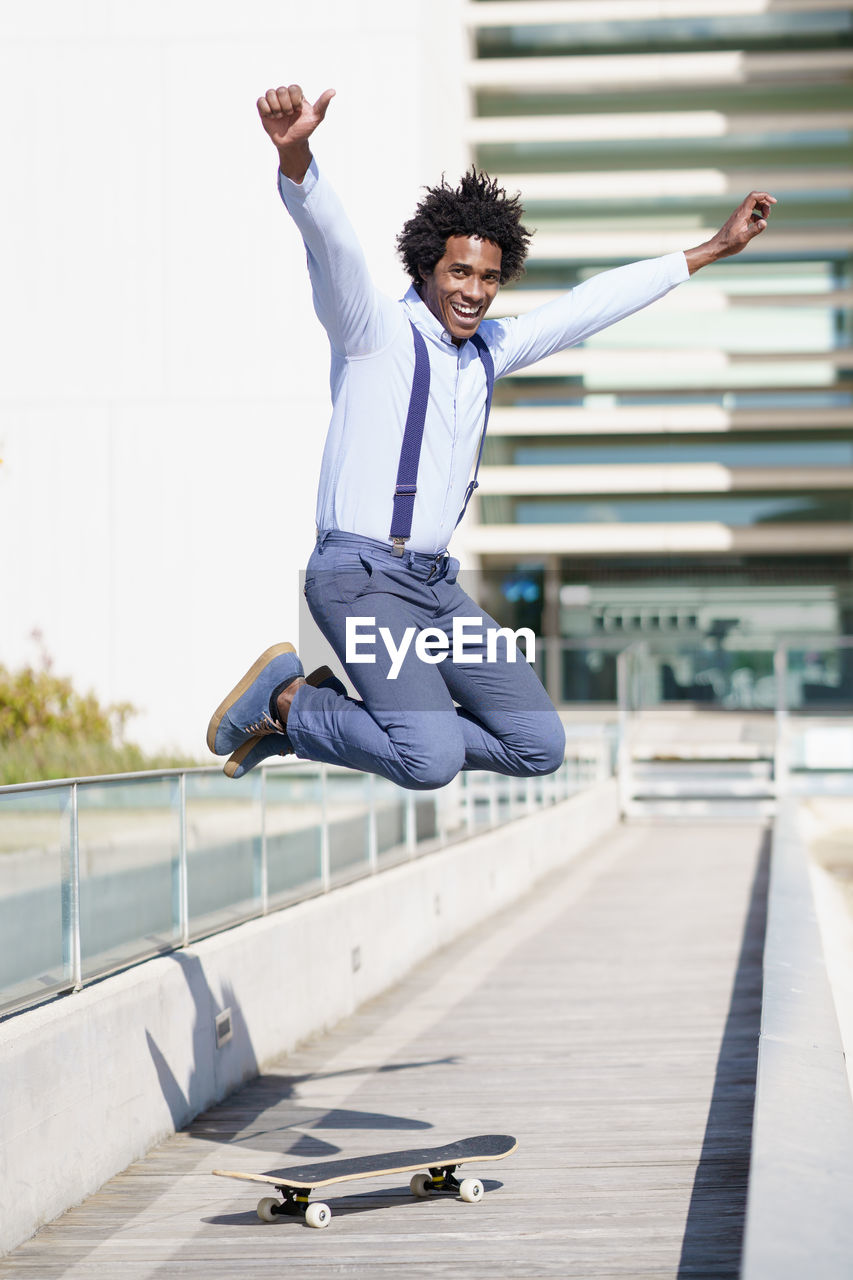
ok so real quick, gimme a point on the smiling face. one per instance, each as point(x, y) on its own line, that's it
point(462, 285)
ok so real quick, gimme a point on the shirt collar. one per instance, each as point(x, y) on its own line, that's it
point(424, 319)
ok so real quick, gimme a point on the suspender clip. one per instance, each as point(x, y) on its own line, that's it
point(399, 546)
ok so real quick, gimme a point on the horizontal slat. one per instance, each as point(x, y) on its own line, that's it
point(712, 788)
point(680, 419)
point(705, 750)
point(602, 246)
point(607, 126)
point(577, 361)
point(748, 758)
point(832, 298)
point(737, 809)
point(621, 72)
point(700, 297)
point(659, 478)
point(529, 13)
point(515, 540)
point(678, 183)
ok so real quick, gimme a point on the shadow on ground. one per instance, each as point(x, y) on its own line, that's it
point(265, 1115)
point(713, 1237)
point(342, 1206)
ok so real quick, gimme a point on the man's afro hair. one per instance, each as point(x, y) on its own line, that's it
point(477, 207)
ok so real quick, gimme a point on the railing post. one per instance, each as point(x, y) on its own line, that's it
point(447, 804)
point(183, 869)
point(264, 867)
point(372, 833)
point(470, 802)
point(623, 750)
point(554, 669)
point(75, 951)
point(325, 852)
point(780, 755)
point(411, 825)
point(508, 786)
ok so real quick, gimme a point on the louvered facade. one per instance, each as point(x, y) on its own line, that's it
point(688, 473)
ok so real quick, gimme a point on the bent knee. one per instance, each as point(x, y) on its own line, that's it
point(547, 750)
point(427, 770)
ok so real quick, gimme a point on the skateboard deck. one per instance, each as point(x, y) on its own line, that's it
point(296, 1183)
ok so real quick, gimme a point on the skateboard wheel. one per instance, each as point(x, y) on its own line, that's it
point(420, 1185)
point(471, 1189)
point(318, 1215)
point(267, 1209)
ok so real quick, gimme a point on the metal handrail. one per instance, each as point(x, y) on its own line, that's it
point(485, 802)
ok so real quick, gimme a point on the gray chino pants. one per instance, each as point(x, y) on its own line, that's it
point(406, 728)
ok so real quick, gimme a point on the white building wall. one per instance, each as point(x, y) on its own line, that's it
point(165, 383)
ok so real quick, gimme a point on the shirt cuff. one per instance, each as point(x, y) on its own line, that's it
point(298, 192)
point(678, 268)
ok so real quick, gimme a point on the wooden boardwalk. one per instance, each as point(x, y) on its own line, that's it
point(609, 1021)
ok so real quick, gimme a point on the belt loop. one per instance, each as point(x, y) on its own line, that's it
point(321, 539)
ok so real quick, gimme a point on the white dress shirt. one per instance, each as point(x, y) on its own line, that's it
point(373, 361)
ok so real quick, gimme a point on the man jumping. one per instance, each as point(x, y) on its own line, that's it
point(411, 388)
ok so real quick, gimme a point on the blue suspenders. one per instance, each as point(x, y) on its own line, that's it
point(413, 434)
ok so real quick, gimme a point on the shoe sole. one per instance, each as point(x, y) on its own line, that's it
point(237, 757)
point(239, 689)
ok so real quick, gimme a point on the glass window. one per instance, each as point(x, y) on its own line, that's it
point(740, 98)
point(742, 151)
point(770, 30)
point(740, 510)
point(752, 451)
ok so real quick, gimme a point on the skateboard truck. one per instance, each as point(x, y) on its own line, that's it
point(295, 1204)
point(443, 1181)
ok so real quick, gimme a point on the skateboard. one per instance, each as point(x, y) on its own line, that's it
point(296, 1184)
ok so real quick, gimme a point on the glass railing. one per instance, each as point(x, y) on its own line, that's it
point(99, 873)
point(802, 692)
point(809, 676)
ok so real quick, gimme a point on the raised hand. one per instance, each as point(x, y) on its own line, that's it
point(289, 119)
point(748, 221)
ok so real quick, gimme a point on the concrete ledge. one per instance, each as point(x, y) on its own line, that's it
point(799, 1221)
point(91, 1081)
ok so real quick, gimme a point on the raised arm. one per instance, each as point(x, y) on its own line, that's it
point(748, 221)
point(358, 319)
point(612, 295)
point(289, 120)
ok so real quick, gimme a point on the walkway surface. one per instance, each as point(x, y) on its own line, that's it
point(609, 1021)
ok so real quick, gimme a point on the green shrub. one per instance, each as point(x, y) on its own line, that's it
point(48, 730)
